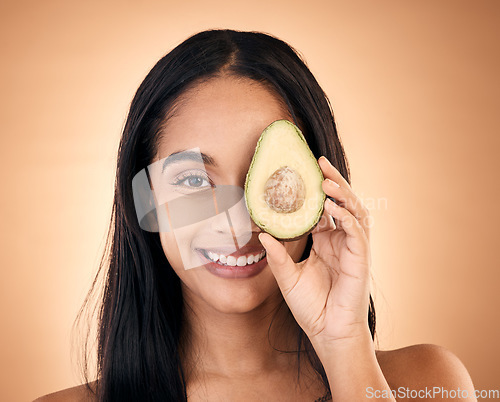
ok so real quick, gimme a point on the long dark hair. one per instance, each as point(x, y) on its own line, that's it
point(140, 309)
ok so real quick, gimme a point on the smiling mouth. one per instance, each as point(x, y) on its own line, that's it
point(233, 261)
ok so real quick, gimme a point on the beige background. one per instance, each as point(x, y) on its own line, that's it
point(415, 89)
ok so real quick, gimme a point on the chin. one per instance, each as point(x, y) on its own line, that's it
point(235, 302)
point(239, 298)
point(235, 308)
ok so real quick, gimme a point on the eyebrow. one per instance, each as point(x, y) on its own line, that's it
point(181, 156)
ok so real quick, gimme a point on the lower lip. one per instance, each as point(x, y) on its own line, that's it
point(227, 271)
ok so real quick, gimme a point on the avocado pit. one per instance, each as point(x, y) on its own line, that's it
point(285, 190)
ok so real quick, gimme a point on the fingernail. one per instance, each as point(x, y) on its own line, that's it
point(326, 159)
point(260, 239)
point(331, 202)
point(333, 222)
point(333, 182)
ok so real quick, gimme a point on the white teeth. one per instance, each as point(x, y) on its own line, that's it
point(213, 256)
point(230, 260)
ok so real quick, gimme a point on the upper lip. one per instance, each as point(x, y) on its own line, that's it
point(229, 251)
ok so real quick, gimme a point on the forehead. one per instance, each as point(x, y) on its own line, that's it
point(227, 113)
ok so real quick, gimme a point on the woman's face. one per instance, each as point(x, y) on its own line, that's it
point(223, 118)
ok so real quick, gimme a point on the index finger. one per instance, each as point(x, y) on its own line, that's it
point(332, 172)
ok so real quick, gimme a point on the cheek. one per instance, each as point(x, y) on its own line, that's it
point(178, 248)
point(174, 254)
point(171, 250)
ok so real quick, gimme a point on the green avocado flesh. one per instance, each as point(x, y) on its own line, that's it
point(283, 190)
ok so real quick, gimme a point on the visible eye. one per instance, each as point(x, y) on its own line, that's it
point(192, 180)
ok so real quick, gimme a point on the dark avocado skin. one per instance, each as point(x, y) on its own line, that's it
point(320, 212)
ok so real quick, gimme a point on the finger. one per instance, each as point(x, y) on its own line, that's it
point(356, 239)
point(282, 266)
point(325, 223)
point(329, 171)
point(338, 188)
point(346, 198)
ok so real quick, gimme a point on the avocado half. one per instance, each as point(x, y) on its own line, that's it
point(283, 192)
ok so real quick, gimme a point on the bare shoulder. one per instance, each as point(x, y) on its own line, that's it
point(425, 366)
point(80, 393)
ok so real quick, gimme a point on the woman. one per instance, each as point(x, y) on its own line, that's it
point(298, 328)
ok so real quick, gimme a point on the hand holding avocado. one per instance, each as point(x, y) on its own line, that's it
point(328, 293)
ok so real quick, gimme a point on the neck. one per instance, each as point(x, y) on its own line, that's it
point(238, 344)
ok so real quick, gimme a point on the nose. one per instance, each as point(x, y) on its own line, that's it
point(234, 219)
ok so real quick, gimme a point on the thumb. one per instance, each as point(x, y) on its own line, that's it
point(282, 266)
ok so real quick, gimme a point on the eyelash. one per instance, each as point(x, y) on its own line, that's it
point(188, 175)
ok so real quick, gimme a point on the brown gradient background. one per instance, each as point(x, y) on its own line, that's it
point(415, 91)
